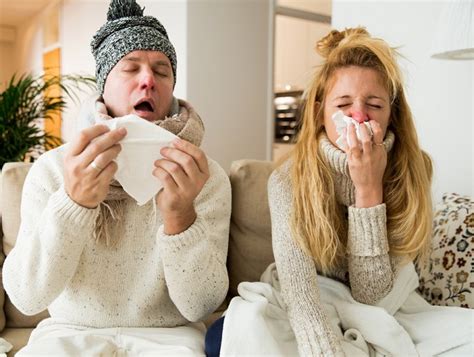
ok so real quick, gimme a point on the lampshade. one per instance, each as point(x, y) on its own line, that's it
point(454, 35)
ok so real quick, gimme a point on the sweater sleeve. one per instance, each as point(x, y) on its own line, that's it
point(49, 245)
point(370, 270)
point(195, 260)
point(298, 277)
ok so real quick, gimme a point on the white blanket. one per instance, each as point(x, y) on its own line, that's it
point(57, 337)
point(402, 324)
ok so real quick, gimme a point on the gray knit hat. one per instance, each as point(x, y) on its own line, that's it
point(127, 30)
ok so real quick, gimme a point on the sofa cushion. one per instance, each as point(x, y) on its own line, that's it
point(2, 291)
point(14, 318)
point(250, 244)
point(18, 337)
point(13, 178)
point(447, 277)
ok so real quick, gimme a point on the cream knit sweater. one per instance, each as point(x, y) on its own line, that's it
point(147, 279)
point(368, 272)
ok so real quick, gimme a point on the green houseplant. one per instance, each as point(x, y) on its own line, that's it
point(24, 104)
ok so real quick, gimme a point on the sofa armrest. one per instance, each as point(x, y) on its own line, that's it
point(2, 259)
point(13, 177)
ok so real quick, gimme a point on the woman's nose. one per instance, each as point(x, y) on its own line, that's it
point(359, 116)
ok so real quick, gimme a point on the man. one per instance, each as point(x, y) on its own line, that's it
point(116, 276)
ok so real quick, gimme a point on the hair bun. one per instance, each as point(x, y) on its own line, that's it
point(329, 42)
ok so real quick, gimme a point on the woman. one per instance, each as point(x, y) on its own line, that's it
point(351, 209)
point(354, 213)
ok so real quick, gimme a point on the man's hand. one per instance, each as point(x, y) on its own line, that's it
point(89, 165)
point(183, 171)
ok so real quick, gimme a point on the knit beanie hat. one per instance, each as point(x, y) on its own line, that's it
point(127, 30)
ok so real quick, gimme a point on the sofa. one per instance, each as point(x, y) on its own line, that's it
point(446, 278)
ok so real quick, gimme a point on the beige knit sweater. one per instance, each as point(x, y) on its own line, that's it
point(147, 279)
point(369, 271)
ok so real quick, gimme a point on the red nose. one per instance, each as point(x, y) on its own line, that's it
point(359, 116)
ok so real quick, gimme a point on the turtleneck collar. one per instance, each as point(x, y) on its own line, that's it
point(337, 160)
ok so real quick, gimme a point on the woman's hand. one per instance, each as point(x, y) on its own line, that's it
point(367, 160)
point(89, 165)
point(183, 171)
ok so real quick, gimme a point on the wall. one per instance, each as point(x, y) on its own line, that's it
point(6, 64)
point(318, 6)
point(225, 66)
point(27, 53)
point(80, 19)
point(440, 92)
point(295, 54)
point(230, 66)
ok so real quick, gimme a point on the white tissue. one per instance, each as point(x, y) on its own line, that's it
point(342, 122)
point(140, 149)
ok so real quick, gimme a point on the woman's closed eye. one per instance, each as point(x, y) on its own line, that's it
point(343, 105)
point(376, 106)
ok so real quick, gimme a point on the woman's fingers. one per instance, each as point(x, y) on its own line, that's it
point(353, 144)
point(365, 138)
point(378, 133)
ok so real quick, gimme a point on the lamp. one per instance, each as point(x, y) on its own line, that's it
point(455, 33)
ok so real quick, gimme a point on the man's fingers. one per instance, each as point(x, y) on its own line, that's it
point(165, 178)
point(196, 153)
point(186, 161)
point(85, 137)
point(175, 170)
point(101, 144)
point(108, 173)
point(103, 159)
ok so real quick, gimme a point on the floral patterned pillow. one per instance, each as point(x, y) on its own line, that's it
point(447, 277)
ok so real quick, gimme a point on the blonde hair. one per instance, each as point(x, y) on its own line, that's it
point(318, 222)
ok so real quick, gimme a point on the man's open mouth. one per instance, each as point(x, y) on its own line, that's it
point(144, 106)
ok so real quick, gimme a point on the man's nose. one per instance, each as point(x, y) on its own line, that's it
point(147, 80)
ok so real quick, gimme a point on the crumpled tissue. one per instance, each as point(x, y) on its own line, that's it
point(342, 123)
point(140, 149)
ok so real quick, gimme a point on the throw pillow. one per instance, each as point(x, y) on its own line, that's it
point(447, 277)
